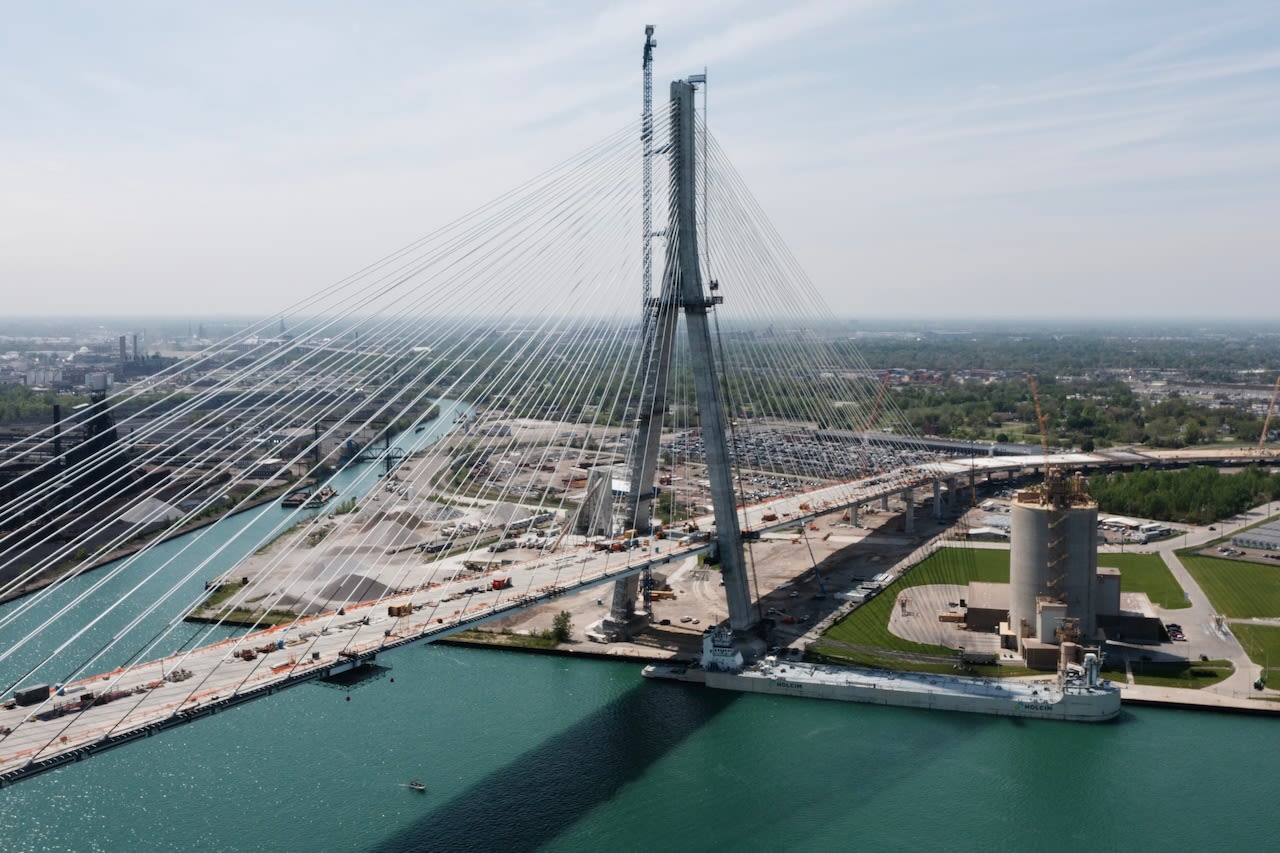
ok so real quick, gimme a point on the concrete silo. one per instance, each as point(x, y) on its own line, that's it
point(1053, 561)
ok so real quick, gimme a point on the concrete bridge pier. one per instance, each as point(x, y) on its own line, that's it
point(937, 499)
point(884, 503)
point(909, 516)
point(624, 620)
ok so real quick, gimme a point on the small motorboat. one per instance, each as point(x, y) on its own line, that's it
point(418, 785)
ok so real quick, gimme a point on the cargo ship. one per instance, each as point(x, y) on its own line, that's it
point(1078, 695)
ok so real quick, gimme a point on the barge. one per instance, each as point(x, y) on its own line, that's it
point(320, 498)
point(1078, 695)
point(297, 497)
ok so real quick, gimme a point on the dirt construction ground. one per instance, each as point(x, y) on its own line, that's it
point(782, 566)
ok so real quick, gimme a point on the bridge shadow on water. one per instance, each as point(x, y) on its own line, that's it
point(527, 803)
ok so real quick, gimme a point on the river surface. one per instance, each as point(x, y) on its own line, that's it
point(525, 752)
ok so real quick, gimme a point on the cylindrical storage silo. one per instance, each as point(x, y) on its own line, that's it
point(1081, 565)
point(1034, 529)
point(1028, 564)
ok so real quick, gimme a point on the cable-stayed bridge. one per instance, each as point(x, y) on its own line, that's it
point(518, 391)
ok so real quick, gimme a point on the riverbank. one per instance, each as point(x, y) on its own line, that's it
point(124, 551)
point(618, 651)
point(1130, 694)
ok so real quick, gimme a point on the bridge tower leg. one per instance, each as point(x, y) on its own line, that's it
point(682, 291)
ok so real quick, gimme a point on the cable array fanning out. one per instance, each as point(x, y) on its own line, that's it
point(454, 397)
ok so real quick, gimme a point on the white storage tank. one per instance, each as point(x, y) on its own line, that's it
point(1039, 517)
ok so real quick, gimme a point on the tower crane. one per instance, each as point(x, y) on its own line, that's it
point(1057, 495)
point(1266, 424)
point(880, 395)
point(647, 152)
point(1042, 420)
point(646, 225)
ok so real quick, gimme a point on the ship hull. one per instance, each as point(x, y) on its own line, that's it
point(1044, 700)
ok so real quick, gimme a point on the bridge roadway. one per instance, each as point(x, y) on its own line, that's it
point(139, 700)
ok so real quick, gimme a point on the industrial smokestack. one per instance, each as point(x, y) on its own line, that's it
point(135, 347)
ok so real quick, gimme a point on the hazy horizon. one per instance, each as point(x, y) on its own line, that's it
point(1010, 160)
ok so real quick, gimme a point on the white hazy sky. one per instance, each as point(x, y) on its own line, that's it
point(1010, 158)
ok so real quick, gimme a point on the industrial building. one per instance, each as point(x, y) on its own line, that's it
point(1265, 537)
point(1058, 601)
point(1053, 565)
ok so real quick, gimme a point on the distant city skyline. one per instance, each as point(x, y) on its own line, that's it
point(1074, 160)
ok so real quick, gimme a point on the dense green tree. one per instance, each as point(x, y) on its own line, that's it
point(1197, 495)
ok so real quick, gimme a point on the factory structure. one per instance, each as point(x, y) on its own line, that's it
point(1058, 603)
point(1265, 537)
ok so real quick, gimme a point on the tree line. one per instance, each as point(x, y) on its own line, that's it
point(1196, 495)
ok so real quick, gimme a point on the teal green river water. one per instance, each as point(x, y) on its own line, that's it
point(523, 752)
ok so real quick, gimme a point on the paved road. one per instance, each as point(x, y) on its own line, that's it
point(1204, 637)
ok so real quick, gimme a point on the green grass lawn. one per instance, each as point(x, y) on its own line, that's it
point(1262, 644)
point(1147, 573)
point(867, 627)
point(1192, 676)
point(480, 636)
point(218, 596)
point(242, 616)
point(1236, 589)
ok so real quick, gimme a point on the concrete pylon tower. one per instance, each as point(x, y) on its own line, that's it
point(682, 291)
point(595, 516)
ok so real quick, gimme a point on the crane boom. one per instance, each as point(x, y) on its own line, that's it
point(1266, 424)
point(880, 395)
point(1042, 420)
